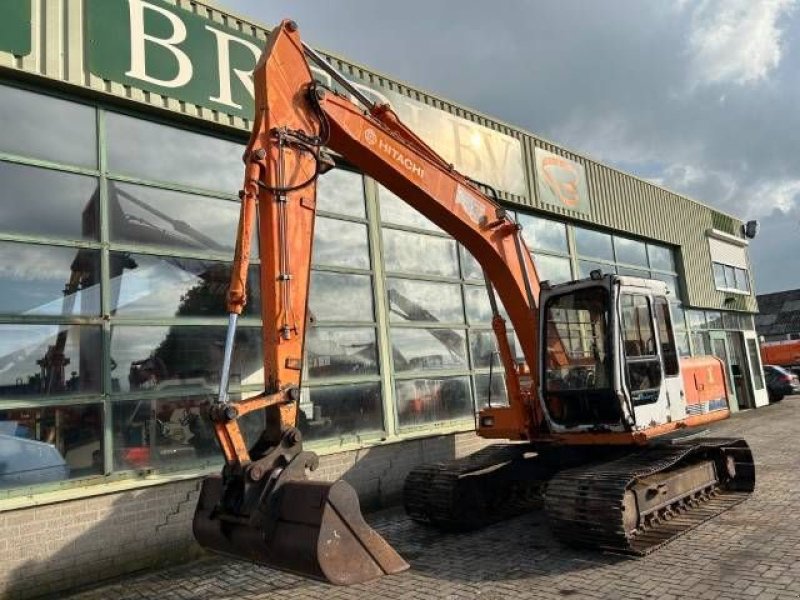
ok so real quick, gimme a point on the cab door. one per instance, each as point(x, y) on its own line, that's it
point(642, 373)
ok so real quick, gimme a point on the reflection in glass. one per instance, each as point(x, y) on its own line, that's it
point(53, 443)
point(631, 252)
point(155, 357)
point(49, 128)
point(48, 280)
point(421, 401)
point(340, 243)
point(742, 280)
point(164, 286)
point(398, 212)
point(341, 191)
point(340, 352)
point(470, 268)
point(163, 433)
point(661, 257)
point(479, 309)
point(192, 159)
point(424, 301)
point(755, 364)
point(487, 396)
point(340, 411)
point(340, 297)
point(428, 349)
point(49, 359)
point(585, 268)
point(641, 273)
point(483, 349)
point(682, 342)
point(697, 319)
point(714, 319)
point(415, 253)
point(543, 234)
point(162, 218)
point(553, 268)
point(672, 285)
point(35, 201)
point(593, 244)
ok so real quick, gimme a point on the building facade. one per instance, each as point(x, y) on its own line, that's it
point(122, 124)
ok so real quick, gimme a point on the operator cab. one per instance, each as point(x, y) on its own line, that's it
point(609, 360)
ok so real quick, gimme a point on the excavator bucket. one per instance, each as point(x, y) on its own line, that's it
point(310, 528)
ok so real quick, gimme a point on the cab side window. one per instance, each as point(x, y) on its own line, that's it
point(640, 348)
point(666, 337)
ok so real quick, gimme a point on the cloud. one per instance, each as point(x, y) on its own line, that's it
point(735, 41)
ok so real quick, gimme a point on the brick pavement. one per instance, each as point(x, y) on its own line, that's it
point(752, 551)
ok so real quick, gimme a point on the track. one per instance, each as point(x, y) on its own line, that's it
point(585, 504)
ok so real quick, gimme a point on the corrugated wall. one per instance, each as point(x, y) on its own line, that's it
point(618, 200)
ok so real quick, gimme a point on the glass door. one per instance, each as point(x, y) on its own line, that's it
point(720, 349)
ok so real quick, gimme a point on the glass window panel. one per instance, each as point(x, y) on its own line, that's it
point(493, 396)
point(637, 326)
point(340, 352)
point(341, 191)
point(49, 359)
point(340, 243)
point(422, 401)
point(697, 319)
point(730, 277)
point(156, 357)
point(553, 268)
point(633, 272)
point(47, 444)
point(161, 218)
point(678, 316)
point(35, 201)
point(543, 234)
point(593, 244)
point(672, 285)
point(163, 433)
point(714, 319)
point(755, 364)
point(185, 157)
point(48, 280)
point(470, 268)
point(682, 342)
point(742, 280)
point(585, 268)
point(164, 286)
point(340, 411)
point(340, 297)
point(414, 253)
point(631, 252)
point(483, 350)
point(701, 343)
point(424, 301)
point(730, 320)
point(719, 275)
point(661, 257)
point(669, 354)
point(49, 128)
point(479, 309)
point(428, 349)
point(396, 211)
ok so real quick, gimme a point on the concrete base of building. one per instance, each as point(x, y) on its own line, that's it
point(48, 549)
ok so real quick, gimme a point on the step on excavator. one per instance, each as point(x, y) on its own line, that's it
point(603, 420)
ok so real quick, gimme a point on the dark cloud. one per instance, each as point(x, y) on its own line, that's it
point(660, 90)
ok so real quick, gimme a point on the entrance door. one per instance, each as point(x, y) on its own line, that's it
point(756, 372)
point(741, 374)
point(719, 348)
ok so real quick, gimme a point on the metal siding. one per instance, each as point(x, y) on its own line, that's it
point(618, 200)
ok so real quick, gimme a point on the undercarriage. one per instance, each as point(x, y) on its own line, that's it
point(630, 500)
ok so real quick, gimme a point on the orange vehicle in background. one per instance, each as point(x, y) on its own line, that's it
point(783, 354)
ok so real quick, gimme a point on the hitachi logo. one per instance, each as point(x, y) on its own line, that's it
point(397, 156)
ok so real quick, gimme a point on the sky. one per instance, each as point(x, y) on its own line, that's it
point(699, 96)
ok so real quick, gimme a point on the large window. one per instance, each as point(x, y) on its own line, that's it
point(731, 279)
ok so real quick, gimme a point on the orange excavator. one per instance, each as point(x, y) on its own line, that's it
point(603, 421)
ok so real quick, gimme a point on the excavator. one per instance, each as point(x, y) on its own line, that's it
point(604, 425)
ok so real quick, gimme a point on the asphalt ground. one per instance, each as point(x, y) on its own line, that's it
point(751, 551)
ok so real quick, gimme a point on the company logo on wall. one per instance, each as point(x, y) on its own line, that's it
point(15, 27)
point(561, 182)
point(171, 51)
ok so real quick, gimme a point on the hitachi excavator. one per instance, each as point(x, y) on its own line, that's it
point(603, 424)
